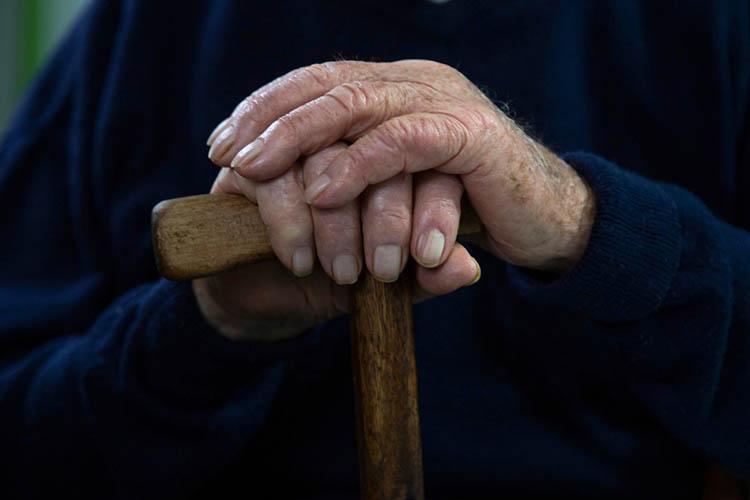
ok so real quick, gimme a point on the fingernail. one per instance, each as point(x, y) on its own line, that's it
point(387, 262)
point(317, 187)
point(345, 269)
point(222, 143)
point(477, 275)
point(302, 262)
point(247, 154)
point(219, 128)
point(430, 247)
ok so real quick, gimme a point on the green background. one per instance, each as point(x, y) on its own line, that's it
point(29, 30)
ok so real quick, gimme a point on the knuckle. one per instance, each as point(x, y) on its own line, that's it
point(334, 105)
point(440, 208)
point(388, 216)
point(419, 131)
point(446, 218)
point(366, 103)
point(478, 128)
point(254, 102)
point(477, 122)
point(288, 124)
point(392, 134)
point(250, 109)
point(352, 95)
point(451, 134)
point(338, 227)
point(357, 158)
point(242, 106)
point(356, 165)
point(338, 69)
point(282, 192)
point(314, 165)
point(354, 100)
point(284, 221)
point(456, 137)
point(393, 220)
point(428, 133)
point(320, 73)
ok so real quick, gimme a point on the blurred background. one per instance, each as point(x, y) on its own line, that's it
point(29, 30)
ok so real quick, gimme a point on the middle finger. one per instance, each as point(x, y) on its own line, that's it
point(338, 238)
point(386, 224)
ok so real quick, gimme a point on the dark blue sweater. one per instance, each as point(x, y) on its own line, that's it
point(621, 379)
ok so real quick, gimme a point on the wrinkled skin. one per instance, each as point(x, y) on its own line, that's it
point(353, 162)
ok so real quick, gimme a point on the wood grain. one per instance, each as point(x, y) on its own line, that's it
point(207, 234)
point(385, 385)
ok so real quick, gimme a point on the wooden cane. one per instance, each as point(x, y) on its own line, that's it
point(385, 390)
point(208, 234)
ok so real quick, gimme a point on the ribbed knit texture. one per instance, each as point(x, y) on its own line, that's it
point(633, 253)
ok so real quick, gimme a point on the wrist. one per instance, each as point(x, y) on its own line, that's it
point(574, 222)
point(632, 257)
point(550, 209)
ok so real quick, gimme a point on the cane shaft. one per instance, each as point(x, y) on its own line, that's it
point(385, 387)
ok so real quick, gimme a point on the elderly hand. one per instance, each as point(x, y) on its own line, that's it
point(264, 301)
point(407, 117)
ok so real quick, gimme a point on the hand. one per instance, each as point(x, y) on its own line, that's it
point(407, 117)
point(265, 302)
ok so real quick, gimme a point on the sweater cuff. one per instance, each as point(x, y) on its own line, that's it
point(186, 357)
point(632, 255)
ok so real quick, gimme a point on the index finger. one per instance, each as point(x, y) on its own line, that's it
point(277, 98)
